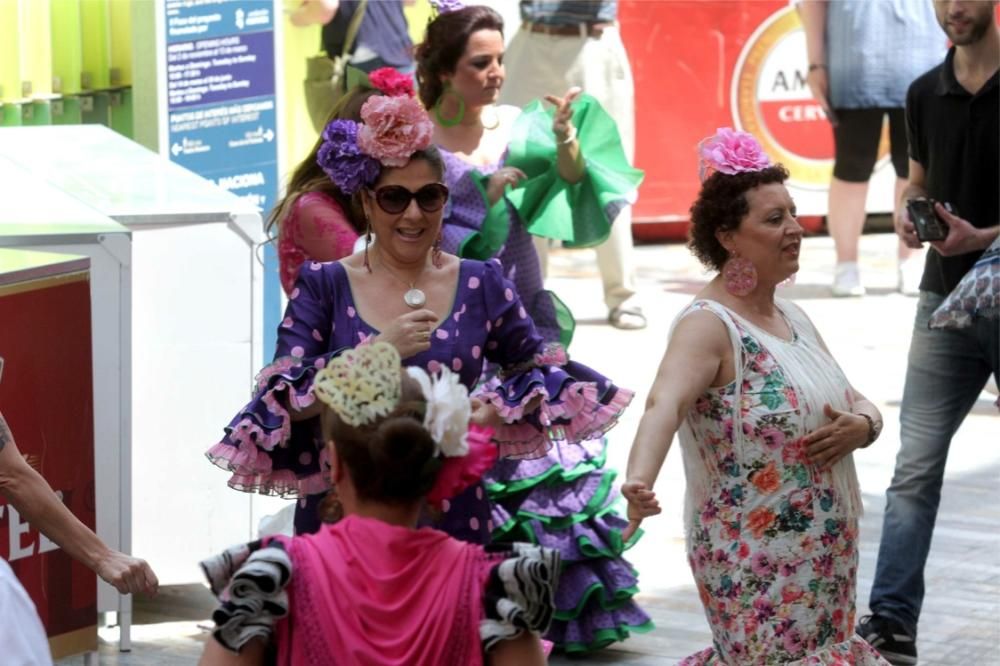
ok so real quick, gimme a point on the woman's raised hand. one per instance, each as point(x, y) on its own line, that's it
point(642, 503)
point(410, 333)
point(562, 122)
point(500, 179)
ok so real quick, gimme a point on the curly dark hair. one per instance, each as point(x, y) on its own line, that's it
point(722, 205)
point(444, 43)
point(392, 460)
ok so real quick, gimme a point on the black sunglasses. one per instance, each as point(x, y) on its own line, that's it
point(394, 199)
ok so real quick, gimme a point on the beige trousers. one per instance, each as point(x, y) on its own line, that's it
point(539, 65)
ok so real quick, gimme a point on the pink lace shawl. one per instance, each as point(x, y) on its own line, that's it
point(315, 229)
point(365, 592)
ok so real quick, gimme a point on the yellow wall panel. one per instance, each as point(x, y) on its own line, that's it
point(121, 42)
point(96, 28)
point(67, 56)
point(36, 48)
point(10, 55)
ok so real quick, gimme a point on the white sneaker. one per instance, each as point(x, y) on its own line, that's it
point(847, 280)
point(909, 274)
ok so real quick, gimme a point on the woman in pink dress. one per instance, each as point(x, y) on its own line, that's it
point(372, 588)
point(767, 423)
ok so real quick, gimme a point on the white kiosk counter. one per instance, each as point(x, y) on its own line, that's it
point(196, 331)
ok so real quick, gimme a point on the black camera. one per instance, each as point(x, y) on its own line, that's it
point(928, 225)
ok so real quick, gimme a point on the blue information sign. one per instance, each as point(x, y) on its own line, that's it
point(220, 60)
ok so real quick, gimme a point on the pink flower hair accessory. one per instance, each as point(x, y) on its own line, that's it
point(391, 82)
point(353, 154)
point(730, 151)
point(394, 128)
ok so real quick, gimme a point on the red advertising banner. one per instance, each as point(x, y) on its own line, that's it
point(46, 397)
point(700, 65)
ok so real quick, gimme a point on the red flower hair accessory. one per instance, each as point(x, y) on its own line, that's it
point(390, 82)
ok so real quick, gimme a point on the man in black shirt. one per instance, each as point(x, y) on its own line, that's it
point(953, 127)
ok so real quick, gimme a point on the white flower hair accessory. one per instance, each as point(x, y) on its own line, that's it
point(448, 410)
point(362, 384)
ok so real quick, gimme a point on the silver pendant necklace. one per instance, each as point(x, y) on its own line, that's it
point(414, 298)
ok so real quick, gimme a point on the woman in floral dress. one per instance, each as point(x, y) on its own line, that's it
point(767, 423)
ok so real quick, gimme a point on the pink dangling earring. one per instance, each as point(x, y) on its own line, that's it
point(368, 241)
point(436, 252)
point(739, 274)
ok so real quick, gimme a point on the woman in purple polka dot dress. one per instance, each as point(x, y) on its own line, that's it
point(563, 499)
point(436, 309)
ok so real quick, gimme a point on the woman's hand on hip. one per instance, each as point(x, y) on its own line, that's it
point(642, 504)
point(410, 333)
point(826, 445)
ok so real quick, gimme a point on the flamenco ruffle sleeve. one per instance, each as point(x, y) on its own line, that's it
point(578, 214)
point(540, 395)
point(257, 446)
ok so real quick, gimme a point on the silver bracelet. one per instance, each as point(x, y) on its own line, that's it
point(570, 136)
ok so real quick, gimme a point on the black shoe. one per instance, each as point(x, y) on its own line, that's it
point(889, 637)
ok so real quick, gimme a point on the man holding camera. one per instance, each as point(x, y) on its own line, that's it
point(953, 127)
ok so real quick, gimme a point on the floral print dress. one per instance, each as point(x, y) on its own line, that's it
point(772, 540)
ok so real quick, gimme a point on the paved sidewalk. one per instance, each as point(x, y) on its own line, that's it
point(869, 337)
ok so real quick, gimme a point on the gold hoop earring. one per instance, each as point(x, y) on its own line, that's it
point(496, 121)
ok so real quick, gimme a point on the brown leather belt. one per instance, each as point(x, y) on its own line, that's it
point(569, 30)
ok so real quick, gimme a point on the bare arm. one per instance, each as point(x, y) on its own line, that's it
point(33, 498)
point(569, 159)
point(693, 360)
point(252, 654)
point(813, 16)
point(312, 12)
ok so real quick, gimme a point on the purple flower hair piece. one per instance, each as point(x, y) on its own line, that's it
point(730, 151)
point(342, 159)
point(446, 6)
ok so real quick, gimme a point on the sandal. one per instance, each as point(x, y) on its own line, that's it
point(627, 318)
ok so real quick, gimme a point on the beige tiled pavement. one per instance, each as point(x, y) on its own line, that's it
point(869, 337)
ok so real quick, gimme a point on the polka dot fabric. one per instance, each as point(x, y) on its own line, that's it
point(263, 448)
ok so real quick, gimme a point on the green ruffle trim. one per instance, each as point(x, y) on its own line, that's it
point(575, 214)
point(553, 476)
point(597, 506)
point(617, 599)
point(605, 637)
point(487, 241)
point(618, 546)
